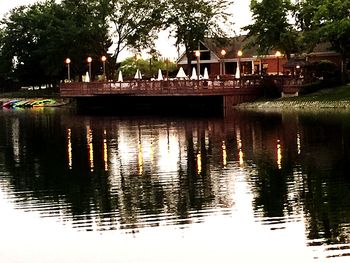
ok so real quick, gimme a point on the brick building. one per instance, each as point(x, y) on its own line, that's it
point(247, 61)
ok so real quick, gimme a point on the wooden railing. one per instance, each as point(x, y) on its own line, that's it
point(163, 88)
point(293, 85)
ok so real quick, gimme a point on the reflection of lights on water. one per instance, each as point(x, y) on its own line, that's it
point(279, 155)
point(105, 151)
point(207, 141)
point(199, 163)
point(239, 147)
point(90, 147)
point(241, 157)
point(168, 152)
point(140, 158)
point(69, 148)
point(224, 154)
point(238, 138)
point(298, 143)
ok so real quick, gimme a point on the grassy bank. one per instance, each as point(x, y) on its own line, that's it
point(337, 97)
point(40, 93)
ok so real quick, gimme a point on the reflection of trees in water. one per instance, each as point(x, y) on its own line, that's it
point(83, 192)
point(270, 187)
point(301, 168)
point(313, 177)
point(326, 163)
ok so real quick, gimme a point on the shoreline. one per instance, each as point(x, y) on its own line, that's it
point(287, 105)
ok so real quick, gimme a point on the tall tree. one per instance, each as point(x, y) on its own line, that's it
point(190, 21)
point(38, 37)
point(135, 24)
point(326, 21)
point(271, 28)
point(85, 32)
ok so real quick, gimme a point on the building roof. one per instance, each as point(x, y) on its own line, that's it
point(233, 45)
point(230, 45)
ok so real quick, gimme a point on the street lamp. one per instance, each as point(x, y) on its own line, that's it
point(222, 68)
point(89, 60)
point(297, 70)
point(68, 61)
point(239, 55)
point(104, 58)
point(278, 54)
point(198, 54)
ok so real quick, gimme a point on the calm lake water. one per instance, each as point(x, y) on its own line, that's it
point(252, 187)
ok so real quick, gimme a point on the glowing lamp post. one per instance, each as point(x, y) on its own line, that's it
point(89, 60)
point(297, 71)
point(198, 54)
point(278, 54)
point(68, 61)
point(239, 55)
point(222, 69)
point(104, 58)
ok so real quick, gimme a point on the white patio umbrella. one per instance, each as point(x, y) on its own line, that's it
point(120, 76)
point(87, 77)
point(181, 74)
point(138, 74)
point(205, 75)
point(194, 74)
point(238, 71)
point(160, 75)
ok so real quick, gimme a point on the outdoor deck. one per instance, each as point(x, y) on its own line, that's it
point(168, 94)
point(232, 87)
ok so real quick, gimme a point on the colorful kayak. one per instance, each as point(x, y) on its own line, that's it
point(43, 103)
point(20, 104)
point(9, 104)
point(32, 103)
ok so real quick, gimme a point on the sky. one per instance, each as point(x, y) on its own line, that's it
point(240, 10)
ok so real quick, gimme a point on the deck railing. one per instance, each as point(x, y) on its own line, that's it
point(162, 88)
point(247, 85)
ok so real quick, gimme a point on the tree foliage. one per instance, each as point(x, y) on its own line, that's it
point(135, 24)
point(192, 20)
point(271, 28)
point(148, 67)
point(326, 21)
point(39, 37)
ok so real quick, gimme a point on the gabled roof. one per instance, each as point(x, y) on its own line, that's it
point(230, 45)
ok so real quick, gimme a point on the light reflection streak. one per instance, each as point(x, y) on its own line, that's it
point(168, 152)
point(298, 143)
point(199, 162)
point(224, 154)
point(241, 157)
point(279, 155)
point(69, 149)
point(140, 158)
point(105, 150)
point(90, 147)
point(207, 140)
point(239, 147)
